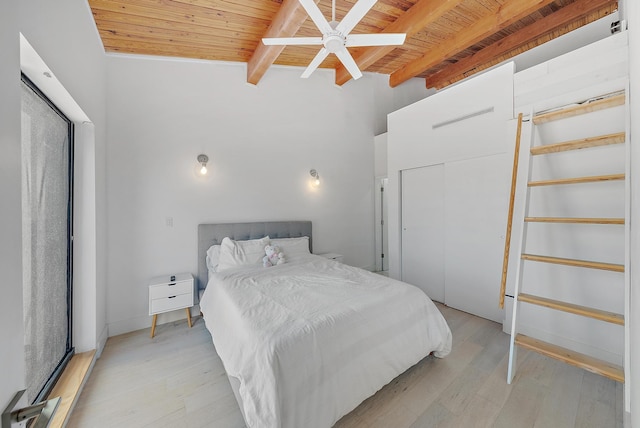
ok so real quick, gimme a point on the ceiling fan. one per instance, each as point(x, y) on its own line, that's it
point(335, 36)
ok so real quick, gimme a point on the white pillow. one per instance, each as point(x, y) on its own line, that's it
point(239, 253)
point(213, 258)
point(292, 246)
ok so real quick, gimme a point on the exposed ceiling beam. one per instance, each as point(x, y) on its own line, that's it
point(508, 13)
point(286, 23)
point(412, 21)
point(558, 19)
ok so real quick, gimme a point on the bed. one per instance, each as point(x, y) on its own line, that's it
point(305, 342)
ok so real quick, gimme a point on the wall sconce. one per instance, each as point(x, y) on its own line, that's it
point(316, 177)
point(203, 159)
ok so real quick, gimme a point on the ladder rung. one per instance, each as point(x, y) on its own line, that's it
point(594, 365)
point(601, 104)
point(577, 220)
point(573, 309)
point(602, 140)
point(577, 180)
point(573, 262)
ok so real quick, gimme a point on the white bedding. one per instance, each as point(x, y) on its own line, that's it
point(311, 339)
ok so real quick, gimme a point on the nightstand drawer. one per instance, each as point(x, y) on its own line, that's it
point(170, 289)
point(171, 303)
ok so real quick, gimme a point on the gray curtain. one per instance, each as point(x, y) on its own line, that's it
point(45, 204)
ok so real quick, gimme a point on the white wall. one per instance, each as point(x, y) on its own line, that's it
point(11, 332)
point(261, 141)
point(388, 99)
point(380, 155)
point(64, 35)
point(632, 399)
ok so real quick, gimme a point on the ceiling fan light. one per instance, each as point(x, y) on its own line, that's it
point(334, 43)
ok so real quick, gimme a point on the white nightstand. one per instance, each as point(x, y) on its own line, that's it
point(333, 256)
point(169, 293)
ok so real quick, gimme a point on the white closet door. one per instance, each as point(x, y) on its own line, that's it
point(423, 229)
point(477, 201)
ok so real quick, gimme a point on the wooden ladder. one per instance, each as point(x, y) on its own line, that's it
point(569, 356)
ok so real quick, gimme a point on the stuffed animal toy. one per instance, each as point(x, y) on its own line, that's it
point(273, 256)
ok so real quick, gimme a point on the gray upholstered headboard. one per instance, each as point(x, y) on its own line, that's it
point(211, 234)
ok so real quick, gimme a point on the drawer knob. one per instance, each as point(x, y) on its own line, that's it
point(171, 284)
point(171, 297)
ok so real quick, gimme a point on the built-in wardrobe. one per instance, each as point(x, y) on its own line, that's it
point(449, 164)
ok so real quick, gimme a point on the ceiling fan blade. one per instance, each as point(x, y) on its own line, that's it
point(349, 63)
point(315, 63)
point(379, 39)
point(292, 41)
point(316, 15)
point(357, 12)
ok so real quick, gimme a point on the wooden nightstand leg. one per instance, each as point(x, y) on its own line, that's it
point(153, 325)
point(188, 316)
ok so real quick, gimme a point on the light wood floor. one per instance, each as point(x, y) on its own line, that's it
point(177, 380)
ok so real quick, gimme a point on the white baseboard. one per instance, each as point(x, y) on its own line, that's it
point(102, 341)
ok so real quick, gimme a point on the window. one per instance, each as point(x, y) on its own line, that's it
point(47, 207)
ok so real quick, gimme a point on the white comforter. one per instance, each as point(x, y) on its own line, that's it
point(311, 339)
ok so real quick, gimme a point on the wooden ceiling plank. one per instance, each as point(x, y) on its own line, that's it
point(509, 13)
point(143, 11)
point(173, 44)
point(411, 22)
point(562, 17)
point(230, 28)
point(126, 45)
point(379, 12)
point(392, 10)
point(214, 35)
point(222, 42)
point(192, 53)
point(285, 24)
point(253, 10)
point(260, 9)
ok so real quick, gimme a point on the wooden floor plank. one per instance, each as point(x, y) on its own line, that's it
point(177, 379)
point(596, 402)
point(496, 389)
point(560, 405)
point(479, 412)
point(522, 409)
point(434, 416)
